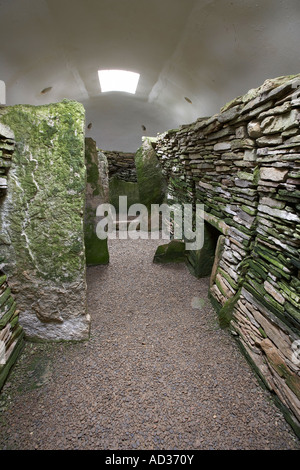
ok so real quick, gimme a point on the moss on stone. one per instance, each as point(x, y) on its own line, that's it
point(173, 252)
point(151, 183)
point(118, 187)
point(96, 250)
point(47, 188)
point(226, 312)
point(200, 262)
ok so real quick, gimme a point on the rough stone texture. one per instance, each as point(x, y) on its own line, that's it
point(173, 252)
point(151, 182)
point(119, 187)
point(121, 165)
point(243, 165)
point(42, 220)
point(122, 177)
point(97, 192)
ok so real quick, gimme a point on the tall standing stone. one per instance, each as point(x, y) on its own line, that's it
point(151, 183)
point(97, 192)
point(42, 220)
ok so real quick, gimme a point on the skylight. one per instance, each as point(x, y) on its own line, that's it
point(118, 80)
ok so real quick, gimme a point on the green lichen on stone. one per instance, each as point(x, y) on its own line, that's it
point(173, 252)
point(46, 187)
point(93, 176)
point(118, 187)
point(5, 369)
point(96, 250)
point(200, 262)
point(226, 312)
point(42, 220)
point(151, 183)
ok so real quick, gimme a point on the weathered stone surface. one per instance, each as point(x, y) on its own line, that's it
point(97, 192)
point(254, 129)
point(151, 183)
point(269, 140)
point(200, 262)
point(221, 146)
point(273, 174)
point(281, 214)
point(119, 187)
point(277, 124)
point(121, 165)
point(6, 132)
point(173, 252)
point(42, 216)
point(274, 292)
point(267, 201)
point(244, 170)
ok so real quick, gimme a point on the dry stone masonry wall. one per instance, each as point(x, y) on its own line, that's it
point(243, 164)
point(41, 220)
point(121, 165)
point(11, 333)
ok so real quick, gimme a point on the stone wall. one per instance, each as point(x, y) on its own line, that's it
point(243, 164)
point(11, 333)
point(121, 165)
point(41, 220)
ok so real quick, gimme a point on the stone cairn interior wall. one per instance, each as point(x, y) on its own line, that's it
point(121, 165)
point(243, 164)
point(41, 220)
point(11, 333)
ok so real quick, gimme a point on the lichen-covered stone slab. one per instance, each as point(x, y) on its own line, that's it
point(151, 183)
point(97, 192)
point(173, 252)
point(42, 220)
point(119, 187)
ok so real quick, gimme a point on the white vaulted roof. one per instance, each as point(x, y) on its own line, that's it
point(192, 56)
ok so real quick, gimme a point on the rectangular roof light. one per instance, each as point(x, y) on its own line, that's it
point(118, 80)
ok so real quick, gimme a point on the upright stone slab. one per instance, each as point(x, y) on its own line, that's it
point(200, 262)
point(97, 192)
point(119, 187)
point(42, 220)
point(151, 183)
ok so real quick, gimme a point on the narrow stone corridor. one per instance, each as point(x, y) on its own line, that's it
point(157, 372)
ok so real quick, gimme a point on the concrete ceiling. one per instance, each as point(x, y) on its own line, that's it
point(209, 51)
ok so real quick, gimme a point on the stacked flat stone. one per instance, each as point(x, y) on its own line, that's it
point(121, 165)
point(243, 165)
point(7, 145)
point(11, 333)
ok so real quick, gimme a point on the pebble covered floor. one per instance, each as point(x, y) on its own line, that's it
point(158, 372)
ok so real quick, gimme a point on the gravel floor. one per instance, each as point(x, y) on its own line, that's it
point(157, 373)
